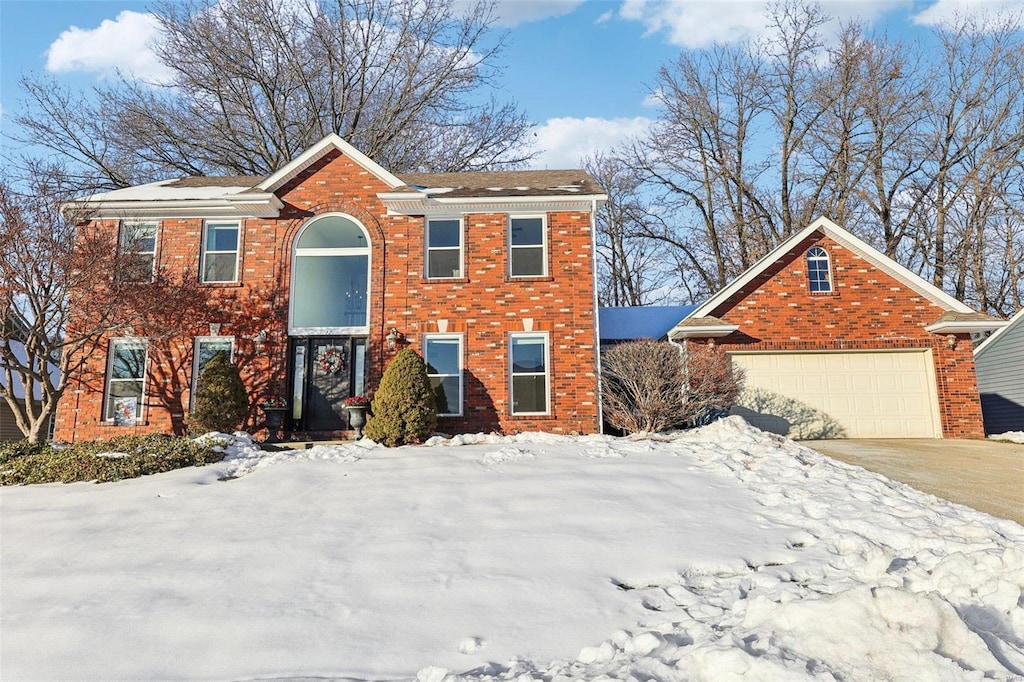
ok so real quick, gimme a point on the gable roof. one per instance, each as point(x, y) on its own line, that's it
point(863, 249)
point(988, 343)
point(307, 158)
point(626, 323)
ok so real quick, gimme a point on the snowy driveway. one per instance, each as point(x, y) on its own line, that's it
point(984, 474)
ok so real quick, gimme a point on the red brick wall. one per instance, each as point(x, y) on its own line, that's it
point(868, 309)
point(484, 306)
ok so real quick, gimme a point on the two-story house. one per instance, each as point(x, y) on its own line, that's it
point(321, 271)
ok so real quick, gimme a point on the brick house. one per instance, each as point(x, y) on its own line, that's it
point(489, 276)
point(838, 340)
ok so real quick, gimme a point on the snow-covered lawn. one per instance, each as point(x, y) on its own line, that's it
point(711, 555)
point(1012, 436)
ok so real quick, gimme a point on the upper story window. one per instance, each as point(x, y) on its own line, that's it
point(138, 250)
point(331, 277)
point(528, 355)
point(220, 252)
point(126, 379)
point(444, 248)
point(819, 272)
point(527, 246)
point(442, 354)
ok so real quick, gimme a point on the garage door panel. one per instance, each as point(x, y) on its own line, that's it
point(829, 395)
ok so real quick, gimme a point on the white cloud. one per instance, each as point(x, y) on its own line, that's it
point(947, 12)
point(515, 12)
point(604, 18)
point(565, 141)
point(122, 43)
point(700, 23)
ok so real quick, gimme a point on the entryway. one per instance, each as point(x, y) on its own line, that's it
point(324, 371)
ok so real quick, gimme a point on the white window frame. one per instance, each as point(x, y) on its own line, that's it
point(122, 238)
point(427, 248)
point(195, 362)
point(108, 413)
point(827, 258)
point(546, 374)
point(207, 251)
point(462, 369)
point(543, 243)
point(349, 251)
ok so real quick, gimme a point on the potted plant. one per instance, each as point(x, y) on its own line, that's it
point(273, 407)
point(357, 406)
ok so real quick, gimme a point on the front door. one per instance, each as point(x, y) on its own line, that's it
point(325, 371)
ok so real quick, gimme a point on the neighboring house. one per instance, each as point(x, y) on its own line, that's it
point(629, 323)
point(1000, 364)
point(838, 340)
point(326, 268)
point(8, 424)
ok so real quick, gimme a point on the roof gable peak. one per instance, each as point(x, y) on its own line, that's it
point(328, 143)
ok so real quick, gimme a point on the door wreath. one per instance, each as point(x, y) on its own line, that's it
point(331, 360)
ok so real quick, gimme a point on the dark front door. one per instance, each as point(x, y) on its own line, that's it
point(325, 371)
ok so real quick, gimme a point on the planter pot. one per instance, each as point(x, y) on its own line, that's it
point(357, 418)
point(273, 420)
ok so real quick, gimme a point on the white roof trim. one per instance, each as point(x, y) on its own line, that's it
point(1012, 322)
point(964, 326)
point(250, 206)
point(702, 331)
point(318, 150)
point(407, 203)
point(880, 260)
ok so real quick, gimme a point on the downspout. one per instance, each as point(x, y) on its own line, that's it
point(684, 389)
point(597, 316)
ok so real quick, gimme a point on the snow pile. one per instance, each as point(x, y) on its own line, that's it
point(1012, 436)
point(718, 554)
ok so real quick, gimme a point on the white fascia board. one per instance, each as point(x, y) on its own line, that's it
point(702, 332)
point(840, 235)
point(1013, 322)
point(318, 150)
point(181, 208)
point(403, 203)
point(965, 326)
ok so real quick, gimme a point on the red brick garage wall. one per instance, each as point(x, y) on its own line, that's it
point(868, 309)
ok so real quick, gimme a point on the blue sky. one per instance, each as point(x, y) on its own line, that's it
point(580, 68)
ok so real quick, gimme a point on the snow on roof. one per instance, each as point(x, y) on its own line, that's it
point(640, 322)
point(171, 190)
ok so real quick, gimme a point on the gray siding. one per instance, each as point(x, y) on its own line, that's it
point(1000, 368)
point(8, 427)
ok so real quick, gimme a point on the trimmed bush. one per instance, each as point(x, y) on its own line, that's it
point(101, 461)
point(648, 387)
point(221, 402)
point(403, 408)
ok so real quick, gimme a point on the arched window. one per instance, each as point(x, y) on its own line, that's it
point(330, 277)
point(819, 275)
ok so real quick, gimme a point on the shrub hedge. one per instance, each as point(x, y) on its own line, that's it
point(23, 463)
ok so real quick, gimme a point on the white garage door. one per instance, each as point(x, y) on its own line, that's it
point(841, 395)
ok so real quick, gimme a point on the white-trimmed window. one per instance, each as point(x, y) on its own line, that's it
point(126, 381)
point(220, 251)
point(206, 348)
point(442, 354)
point(444, 248)
point(138, 248)
point(819, 272)
point(527, 244)
point(529, 367)
point(331, 277)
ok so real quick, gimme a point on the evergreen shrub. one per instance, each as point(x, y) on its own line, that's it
point(403, 409)
point(221, 401)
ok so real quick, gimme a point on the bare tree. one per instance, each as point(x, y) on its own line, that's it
point(64, 286)
point(255, 82)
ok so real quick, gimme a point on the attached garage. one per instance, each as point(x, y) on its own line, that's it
point(867, 394)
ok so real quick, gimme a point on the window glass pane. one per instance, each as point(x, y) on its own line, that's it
point(219, 267)
point(527, 231)
point(527, 261)
point(129, 361)
point(221, 236)
point(527, 355)
point(139, 237)
point(443, 263)
point(207, 349)
point(443, 233)
point(330, 291)
point(442, 356)
point(360, 367)
point(446, 394)
point(529, 394)
point(332, 232)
